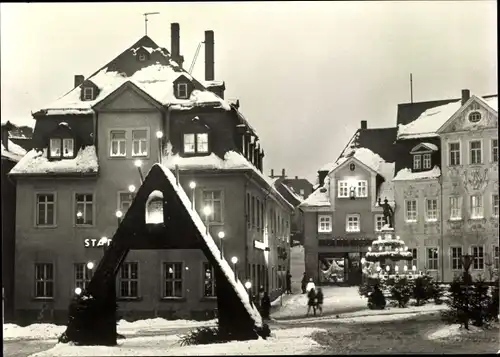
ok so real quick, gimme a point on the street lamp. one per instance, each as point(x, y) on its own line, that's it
point(78, 291)
point(119, 215)
point(221, 237)
point(131, 189)
point(159, 136)
point(234, 260)
point(138, 164)
point(192, 186)
point(248, 286)
point(207, 211)
point(90, 265)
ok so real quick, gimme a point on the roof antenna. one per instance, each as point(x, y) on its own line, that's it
point(411, 88)
point(146, 20)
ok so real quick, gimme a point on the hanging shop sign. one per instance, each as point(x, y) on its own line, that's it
point(96, 242)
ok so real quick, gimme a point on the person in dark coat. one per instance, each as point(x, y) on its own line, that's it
point(288, 282)
point(265, 306)
point(319, 301)
point(311, 302)
point(304, 283)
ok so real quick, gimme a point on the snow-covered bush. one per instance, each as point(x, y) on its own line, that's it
point(422, 289)
point(203, 336)
point(376, 299)
point(401, 291)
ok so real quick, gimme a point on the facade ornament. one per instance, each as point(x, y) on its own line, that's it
point(475, 180)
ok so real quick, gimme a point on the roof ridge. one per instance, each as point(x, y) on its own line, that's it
point(448, 100)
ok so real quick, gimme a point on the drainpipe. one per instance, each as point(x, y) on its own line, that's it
point(442, 233)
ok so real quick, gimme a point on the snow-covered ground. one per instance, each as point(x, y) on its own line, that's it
point(454, 331)
point(282, 342)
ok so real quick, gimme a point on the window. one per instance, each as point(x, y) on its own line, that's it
point(213, 199)
point(427, 161)
point(343, 189)
point(455, 208)
point(196, 143)
point(68, 147)
point(262, 216)
point(45, 209)
point(379, 222)
point(84, 208)
point(83, 275)
point(172, 277)
point(414, 261)
point(182, 91)
point(129, 280)
point(352, 223)
point(477, 252)
point(257, 206)
point(208, 281)
point(496, 256)
point(476, 204)
point(432, 258)
point(411, 210)
point(142, 57)
point(454, 149)
point(362, 191)
point(494, 150)
point(125, 201)
point(302, 192)
point(431, 211)
point(44, 280)
point(417, 162)
point(474, 117)
point(118, 143)
point(324, 223)
point(494, 205)
point(55, 147)
point(456, 258)
point(475, 152)
point(139, 142)
point(88, 93)
point(249, 212)
point(252, 211)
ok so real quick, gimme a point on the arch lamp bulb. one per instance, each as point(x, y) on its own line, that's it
point(414, 268)
point(90, 265)
point(79, 214)
point(387, 268)
point(78, 291)
point(234, 260)
point(131, 189)
point(119, 214)
point(369, 249)
point(159, 134)
point(138, 163)
point(192, 185)
point(363, 260)
point(207, 211)
point(221, 234)
point(248, 285)
point(405, 268)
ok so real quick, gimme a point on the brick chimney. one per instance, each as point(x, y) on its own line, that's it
point(209, 55)
point(283, 173)
point(321, 177)
point(465, 95)
point(175, 44)
point(364, 124)
point(272, 173)
point(78, 80)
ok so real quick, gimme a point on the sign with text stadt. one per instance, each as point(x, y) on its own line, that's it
point(94, 242)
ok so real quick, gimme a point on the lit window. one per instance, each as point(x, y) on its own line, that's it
point(324, 223)
point(476, 203)
point(477, 251)
point(44, 280)
point(432, 259)
point(202, 142)
point(45, 209)
point(129, 280)
point(411, 211)
point(475, 152)
point(196, 143)
point(362, 191)
point(494, 150)
point(84, 204)
point(379, 222)
point(83, 275)
point(117, 143)
point(55, 147)
point(456, 258)
point(68, 147)
point(475, 117)
point(343, 189)
point(182, 92)
point(172, 280)
point(213, 199)
point(352, 223)
point(302, 192)
point(139, 142)
point(431, 210)
point(455, 208)
point(417, 162)
point(427, 161)
point(454, 149)
point(209, 281)
point(494, 204)
point(88, 93)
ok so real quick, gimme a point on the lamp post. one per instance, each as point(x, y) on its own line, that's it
point(221, 237)
point(138, 164)
point(234, 260)
point(192, 186)
point(467, 260)
point(248, 286)
point(159, 136)
point(207, 211)
point(119, 215)
point(131, 188)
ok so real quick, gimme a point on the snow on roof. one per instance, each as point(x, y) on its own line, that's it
point(431, 146)
point(156, 80)
point(36, 162)
point(14, 148)
point(293, 193)
point(319, 198)
point(406, 174)
point(214, 83)
point(370, 159)
point(386, 189)
point(492, 102)
point(10, 155)
point(209, 241)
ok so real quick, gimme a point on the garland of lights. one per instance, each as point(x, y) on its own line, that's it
point(388, 248)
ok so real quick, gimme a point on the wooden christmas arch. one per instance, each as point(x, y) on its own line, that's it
point(92, 314)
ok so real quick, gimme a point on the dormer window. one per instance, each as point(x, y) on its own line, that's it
point(196, 143)
point(422, 156)
point(88, 93)
point(182, 90)
point(426, 161)
point(417, 162)
point(62, 148)
point(55, 147)
point(68, 147)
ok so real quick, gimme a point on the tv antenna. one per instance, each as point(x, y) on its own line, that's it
point(146, 20)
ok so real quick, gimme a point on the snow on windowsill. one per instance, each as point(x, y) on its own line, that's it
point(406, 174)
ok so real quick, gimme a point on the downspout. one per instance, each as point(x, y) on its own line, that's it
point(442, 233)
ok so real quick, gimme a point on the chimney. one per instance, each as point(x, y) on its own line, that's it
point(78, 80)
point(175, 45)
point(322, 176)
point(296, 177)
point(272, 173)
point(364, 124)
point(283, 173)
point(209, 55)
point(465, 95)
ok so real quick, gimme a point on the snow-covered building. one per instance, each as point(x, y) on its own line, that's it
point(342, 216)
point(446, 183)
point(142, 108)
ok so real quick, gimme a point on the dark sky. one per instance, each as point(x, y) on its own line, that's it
point(306, 73)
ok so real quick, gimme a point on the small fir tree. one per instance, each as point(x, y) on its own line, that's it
point(401, 292)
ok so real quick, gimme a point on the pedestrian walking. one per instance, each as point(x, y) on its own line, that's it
point(310, 285)
point(265, 306)
point(304, 283)
point(288, 282)
point(311, 302)
point(319, 301)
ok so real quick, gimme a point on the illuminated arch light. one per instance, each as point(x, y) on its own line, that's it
point(154, 208)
